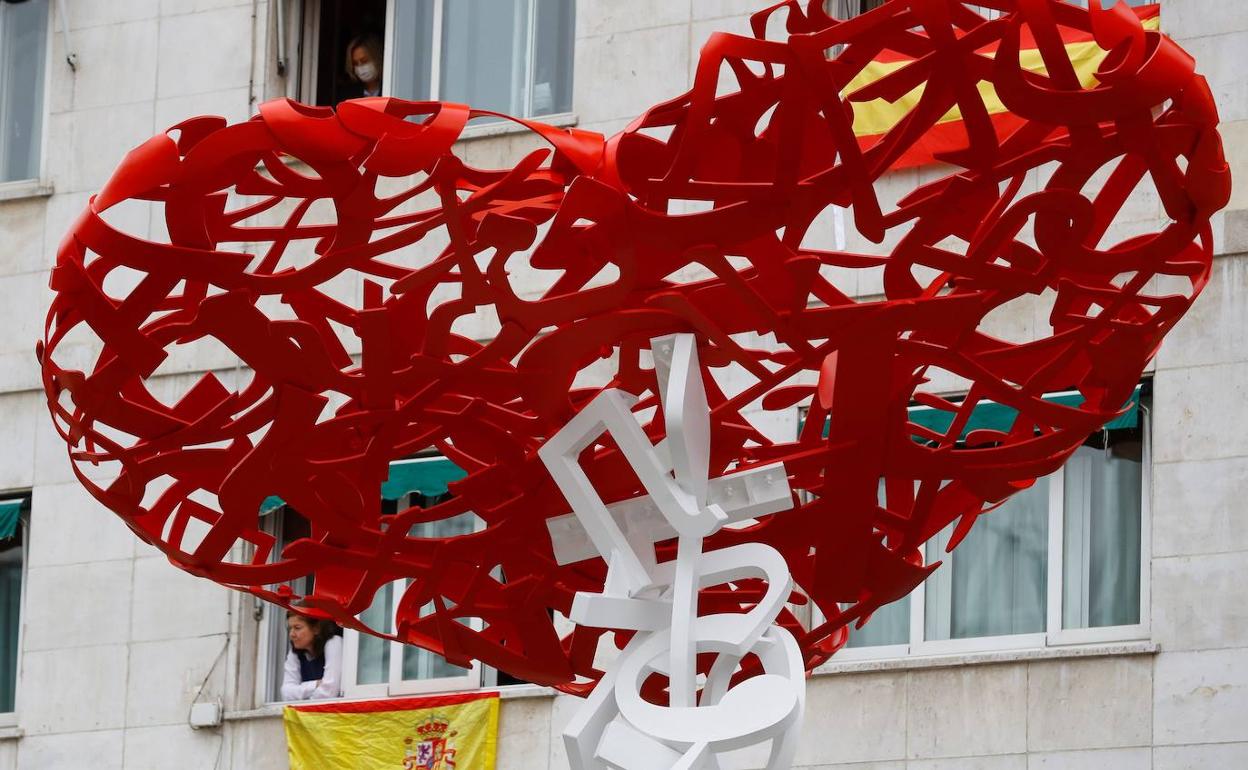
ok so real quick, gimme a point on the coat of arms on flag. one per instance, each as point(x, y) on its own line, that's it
point(431, 748)
point(441, 732)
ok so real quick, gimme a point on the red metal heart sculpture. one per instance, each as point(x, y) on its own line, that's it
point(353, 286)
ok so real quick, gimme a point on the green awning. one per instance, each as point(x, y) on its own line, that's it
point(427, 477)
point(10, 514)
point(994, 416)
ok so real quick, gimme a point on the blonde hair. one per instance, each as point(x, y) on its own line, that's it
point(369, 42)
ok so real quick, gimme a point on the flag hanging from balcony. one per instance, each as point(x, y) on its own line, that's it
point(873, 118)
point(444, 732)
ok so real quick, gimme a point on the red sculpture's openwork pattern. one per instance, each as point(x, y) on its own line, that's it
point(754, 152)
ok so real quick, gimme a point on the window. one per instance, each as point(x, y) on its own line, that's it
point(845, 9)
point(511, 56)
point(1132, 3)
point(329, 26)
point(374, 667)
point(377, 667)
point(1062, 562)
point(286, 526)
point(23, 52)
point(14, 518)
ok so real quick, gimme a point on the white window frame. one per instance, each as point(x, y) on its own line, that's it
point(1054, 635)
point(14, 187)
point(9, 719)
point(308, 54)
point(834, 6)
point(396, 684)
point(273, 638)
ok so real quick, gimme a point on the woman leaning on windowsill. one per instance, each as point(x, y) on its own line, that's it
point(313, 669)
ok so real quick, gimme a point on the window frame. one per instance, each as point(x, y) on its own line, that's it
point(831, 6)
point(308, 54)
point(396, 685)
point(272, 638)
point(1054, 635)
point(9, 719)
point(12, 187)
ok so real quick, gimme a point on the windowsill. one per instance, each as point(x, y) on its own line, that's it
point(861, 666)
point(271, 710)
point(24, 189)
point(953, 660)
point(11, 732)
point(470, 133)
point(505, 127)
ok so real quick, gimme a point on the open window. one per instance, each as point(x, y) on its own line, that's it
point(327, 30)
point(374, 667)
point(377, 667)
point(511, 56)
point(845, 9)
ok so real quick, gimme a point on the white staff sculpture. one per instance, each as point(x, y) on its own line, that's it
point(616, 727)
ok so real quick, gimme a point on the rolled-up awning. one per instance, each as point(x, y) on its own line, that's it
point(426, 476)
point(994, 416)
point(10, 515)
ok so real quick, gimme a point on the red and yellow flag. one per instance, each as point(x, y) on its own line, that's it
point(445, 732)
point(874, 118)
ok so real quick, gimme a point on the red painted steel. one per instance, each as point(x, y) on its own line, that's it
point(754, 153)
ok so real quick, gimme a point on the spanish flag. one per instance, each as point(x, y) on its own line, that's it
point(445, 732)
point(875, 117)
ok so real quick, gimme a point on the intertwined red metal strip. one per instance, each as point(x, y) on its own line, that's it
point(759, 147)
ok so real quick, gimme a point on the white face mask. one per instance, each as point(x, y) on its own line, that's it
point(367, 73)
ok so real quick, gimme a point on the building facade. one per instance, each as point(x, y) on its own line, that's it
point(1113, 646)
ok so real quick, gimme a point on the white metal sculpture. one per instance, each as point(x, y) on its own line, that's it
point(616, 727)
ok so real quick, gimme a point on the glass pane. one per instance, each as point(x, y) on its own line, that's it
point(1101, 534)
point(997, 576)
point(419, 663)
point(552, 57)
point(889, 625)
point(373, 666)
point(484, 52)
point(422, 664)
point(23, 36)
point(1104, 4)
point(10, 605)
point(413, 50)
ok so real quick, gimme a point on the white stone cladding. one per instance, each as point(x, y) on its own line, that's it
point(116, 642)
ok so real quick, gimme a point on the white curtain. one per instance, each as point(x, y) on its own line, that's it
point(995, 582)
point(1101, 534)
point(418, 663)
point(373, 655)
point(889, 625)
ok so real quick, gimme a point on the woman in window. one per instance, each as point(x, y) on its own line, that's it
point(314, 663)
point(364, 57)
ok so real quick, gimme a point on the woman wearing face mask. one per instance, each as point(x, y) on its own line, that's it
point(364, 58)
